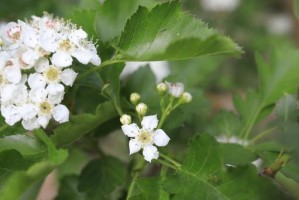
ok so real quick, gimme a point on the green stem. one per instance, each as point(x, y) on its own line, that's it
point(132, 185)
point(166, 164)
point(162, 120)
point(250, 123)
point(94, 69)
point(262, 134)
point(178, 165)
point(166, 112)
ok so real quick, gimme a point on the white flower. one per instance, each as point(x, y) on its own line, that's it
point(175, 89)
point(145, 137)
point(51, 76)
point(220, 5)
point(43, 109)
point(74, 43)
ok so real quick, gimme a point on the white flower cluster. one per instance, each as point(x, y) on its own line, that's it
point(34, 57)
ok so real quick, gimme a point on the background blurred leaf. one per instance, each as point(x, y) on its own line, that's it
point(101, 177)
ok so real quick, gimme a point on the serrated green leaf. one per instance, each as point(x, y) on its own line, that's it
point(203, 157)
point(101, 177)
point(148, 189)
point(237, 155)
point(167, 33)
point(82, 124)
point(112, 15)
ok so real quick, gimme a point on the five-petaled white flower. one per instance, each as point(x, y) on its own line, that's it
point(145, 137)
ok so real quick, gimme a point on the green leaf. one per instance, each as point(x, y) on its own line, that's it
point(110, 76)
point(280, 75)
point(148, 189)
point(101, 177)
point(12, 160)
point(203, 157)
point(203, 176)
point(112, 15)
point(167, 33)
point(237, 155)
point(80, 17)
point(68, 189)
point(27, 146)
point(82, 124)
point(287, 108)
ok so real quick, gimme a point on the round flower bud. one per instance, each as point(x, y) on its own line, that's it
point(141, 108)
point(161, 88)
point(134, 98)
point(186, 97)
point(125, 119)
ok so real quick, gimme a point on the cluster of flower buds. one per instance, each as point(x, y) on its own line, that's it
point(34, 60)
point(175, 90)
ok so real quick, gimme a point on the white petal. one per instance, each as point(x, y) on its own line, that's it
point(7, 92)
point(48, 40)
point(160, 138)
point(42, 65)
point(77, 35)
point(13, 74)
point(11, 114)
point(36, 80)
point(20, 95)
point(61, 59)
point(95, 60)
point(28, 111)
point(30, 56)
point(68, 76)
point(175, 89)
point(55, 93)
point(134, 146)
point(61, 113)
point(30, 124)
point(149, 122)
point(43, 120)
point(29, 35)
point(4, 57)
point(82, 55)
point(150, 152)
point(130, 130)
point(37, 94)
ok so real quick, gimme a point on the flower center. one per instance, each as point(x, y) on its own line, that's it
point(14, 32)
point(52, 74)
point(45, 108)
point(65, 45)
point(145, 137)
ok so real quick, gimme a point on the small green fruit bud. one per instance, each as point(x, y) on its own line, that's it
point(125, 119)
point(161, 88)
point(134, 98)
point(186, 97)
point(141, 109)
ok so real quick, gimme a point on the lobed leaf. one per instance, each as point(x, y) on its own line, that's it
point(167, 33)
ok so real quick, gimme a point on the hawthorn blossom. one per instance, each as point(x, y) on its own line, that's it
point(175, 89)
point(33, 77)
point(146, 137)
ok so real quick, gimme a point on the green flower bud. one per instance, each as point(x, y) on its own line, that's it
point(125, 119)
point(134, 98)
point(161, 88)
point(141, 109)
point(186, 97)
